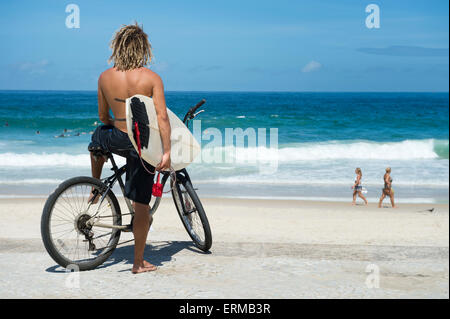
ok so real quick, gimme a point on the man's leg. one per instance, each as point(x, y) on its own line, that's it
point(96, 170)
point(97, 166)
point(99, 135)
point(141, 225)
point(138, 187)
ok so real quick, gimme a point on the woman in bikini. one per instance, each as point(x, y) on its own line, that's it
point(387, 190)
point(357, 188)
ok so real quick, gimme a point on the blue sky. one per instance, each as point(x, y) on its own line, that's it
point(233, 45)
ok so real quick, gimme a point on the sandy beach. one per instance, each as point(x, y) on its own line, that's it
point(261, 249)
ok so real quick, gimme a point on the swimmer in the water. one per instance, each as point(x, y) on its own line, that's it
point(63, 134)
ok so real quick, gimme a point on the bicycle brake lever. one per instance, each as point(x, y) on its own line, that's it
point(194, 115)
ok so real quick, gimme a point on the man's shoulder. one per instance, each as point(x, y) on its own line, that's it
point(143, 72)
point(105, 74)
point(150, 73)
point(151, 77)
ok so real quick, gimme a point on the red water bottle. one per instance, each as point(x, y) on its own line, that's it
point(157, 188)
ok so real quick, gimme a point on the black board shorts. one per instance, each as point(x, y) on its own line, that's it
point(138, 183)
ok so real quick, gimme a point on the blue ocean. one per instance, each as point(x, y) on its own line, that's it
point(321, 139)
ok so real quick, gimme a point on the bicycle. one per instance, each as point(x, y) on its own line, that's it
point(69, 219)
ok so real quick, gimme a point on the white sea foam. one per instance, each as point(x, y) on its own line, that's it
point(335, 199)
point(47, 160)
point(405, 150)
point(295, 181)
point(31, 181)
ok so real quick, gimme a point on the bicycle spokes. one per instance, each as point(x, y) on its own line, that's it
point(191, 216)
point(71, 230)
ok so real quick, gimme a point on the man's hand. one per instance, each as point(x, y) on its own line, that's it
point(165, 162)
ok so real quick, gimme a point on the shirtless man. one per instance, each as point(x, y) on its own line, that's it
point(129, 76)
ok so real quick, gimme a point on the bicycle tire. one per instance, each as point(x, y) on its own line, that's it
point(46, 224)
point(177, 193)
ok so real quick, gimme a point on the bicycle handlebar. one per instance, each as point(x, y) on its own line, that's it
point(198, 105)
point(192, 110)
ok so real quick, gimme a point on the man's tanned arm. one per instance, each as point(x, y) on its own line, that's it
point(163, 123)
point(103, 108)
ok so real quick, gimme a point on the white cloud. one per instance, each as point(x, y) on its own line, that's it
point(32, 67)
point(160, 66)
point(311, 67)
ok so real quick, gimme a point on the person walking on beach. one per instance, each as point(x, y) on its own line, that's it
point(387, 189)
point(129, 76)
point(357, 188)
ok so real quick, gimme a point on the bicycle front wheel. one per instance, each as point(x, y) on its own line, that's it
point(192, 214)
point(67, 230)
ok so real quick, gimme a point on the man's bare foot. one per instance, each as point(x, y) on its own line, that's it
point(149, 265)
point(353, 203)
point(145, 266)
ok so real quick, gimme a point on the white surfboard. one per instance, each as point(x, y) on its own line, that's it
point(184, 147)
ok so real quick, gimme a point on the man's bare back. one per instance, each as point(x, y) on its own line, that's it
point(114, 84)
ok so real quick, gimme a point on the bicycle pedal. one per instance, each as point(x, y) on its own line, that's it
point(128, 229)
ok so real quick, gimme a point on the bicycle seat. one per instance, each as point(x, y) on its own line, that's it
point(97, 151)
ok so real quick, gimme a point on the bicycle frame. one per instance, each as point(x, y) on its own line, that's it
point(181, 176)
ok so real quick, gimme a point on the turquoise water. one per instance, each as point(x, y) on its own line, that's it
point(321, 138)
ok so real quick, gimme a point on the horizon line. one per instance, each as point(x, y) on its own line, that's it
point(228, 91)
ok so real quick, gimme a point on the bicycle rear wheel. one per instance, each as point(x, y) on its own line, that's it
point(65, 228)
point(192, 214)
